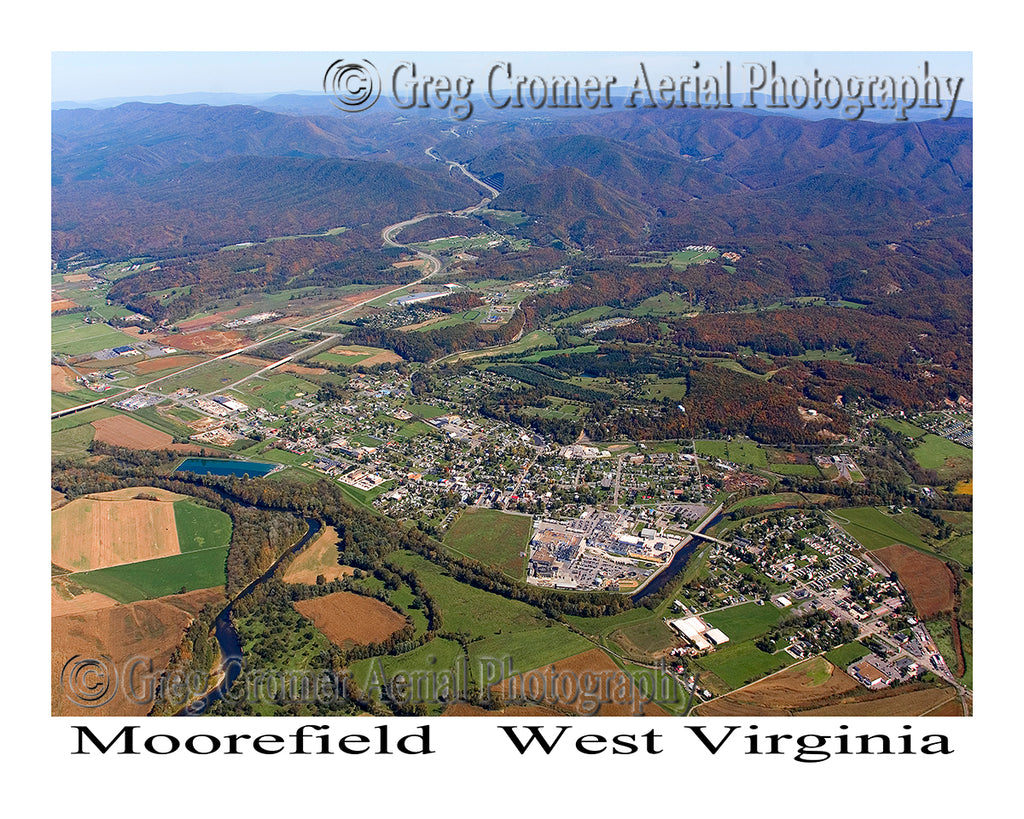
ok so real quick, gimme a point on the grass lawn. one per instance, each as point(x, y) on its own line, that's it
point(875, 530)
point(200, 527)
point(492, 537)
point(157, 578)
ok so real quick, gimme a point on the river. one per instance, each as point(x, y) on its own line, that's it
point(227, 636)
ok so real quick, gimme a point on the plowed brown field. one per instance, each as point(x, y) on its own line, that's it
point(353, 619)
point(127, 432)
point(928, 580)
point(786, 693)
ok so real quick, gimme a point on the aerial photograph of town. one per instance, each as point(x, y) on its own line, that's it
point(465, 384)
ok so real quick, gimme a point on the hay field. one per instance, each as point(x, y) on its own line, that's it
point(99, 531)
point(320, 557)
point(120, 430)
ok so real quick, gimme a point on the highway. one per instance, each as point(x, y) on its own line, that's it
point(431, 267)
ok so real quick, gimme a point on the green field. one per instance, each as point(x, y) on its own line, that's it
point(757, 501)
point(843, 655)
point(157, 578)
point(467, 609)
point(948, 459)
point(736, 665)
point(904, 427)
point(875, 530)
point(673, 389)
point(427, 410)
point(424, 664)
point(200, 527)
point(650, 636)
point(807, 470)
point(79, 338)
point(71, 442)
point(274, 391)
point(538, 338)
point(583, 348)
point(78, 419)
point(740, 452)
point(210, 377)
point(585, 316)
point(746, 621)
point(664, 304)
point(492, 537)
point(524, 651)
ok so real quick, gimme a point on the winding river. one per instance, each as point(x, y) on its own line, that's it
point(227, 636)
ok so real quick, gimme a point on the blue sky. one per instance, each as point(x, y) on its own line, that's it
point(83, 76)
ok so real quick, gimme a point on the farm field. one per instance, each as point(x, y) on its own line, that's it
point(160, 577)
point(949, 460)
point(492, 537)
point(927, 579)
point(71, 442)
point(740, 452)
point(523, 650)
point(201, 527)
point(611, 694)
point(807, 684)
point(150, 629)
point(874, 529)
point(468, 609)
point(79, 338)
point(428, 662)
point(319, 558)
point(97, 531)
point(348, 619)
point(122, 430)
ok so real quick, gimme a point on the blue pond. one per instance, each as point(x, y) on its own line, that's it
point(222, 466)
